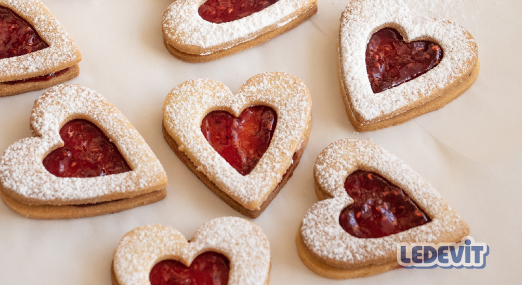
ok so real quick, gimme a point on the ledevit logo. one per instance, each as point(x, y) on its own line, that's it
point(466, 254)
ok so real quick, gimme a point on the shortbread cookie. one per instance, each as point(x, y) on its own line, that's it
point(395, 66)
point(230, 250)
point(85, 159)
point(371, 201)
point(35, 51)
point(199, 30)
point(243, 146)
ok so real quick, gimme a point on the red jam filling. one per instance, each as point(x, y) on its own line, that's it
point(380, 208)
point(39, 78)
point(209, 268)
point(390, 61)
point(17, 36)
point(87, 152)
point(242, 140)
point(222, 11)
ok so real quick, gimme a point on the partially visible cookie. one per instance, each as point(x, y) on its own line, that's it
point(197, 31)
point(243, 146)
point(371, 202)
point(225, 250)
point(36, 51)
point(85, 159)
point(395, 66)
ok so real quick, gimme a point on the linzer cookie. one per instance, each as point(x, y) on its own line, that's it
point(395, 66)
point(224, 251)
point(371, 201)
point(243, 146)
point(198, 30)
point(35, 50)
point(85, 159)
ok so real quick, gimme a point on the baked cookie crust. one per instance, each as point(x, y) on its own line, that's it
point(190, 38)
point(29, 189)
point(327, 249)
point(456, 72)
point(187, 105)
point(61, 54)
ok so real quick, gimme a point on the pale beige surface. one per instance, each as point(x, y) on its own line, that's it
point(470, 150)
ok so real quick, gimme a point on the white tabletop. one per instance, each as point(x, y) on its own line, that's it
point(470, 150)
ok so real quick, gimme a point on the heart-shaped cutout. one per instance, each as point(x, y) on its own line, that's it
point(390, 61)
point(28, 188)
point(327, 249)
point(194, 32)
point(380, 88)
point(189, 103)
point(379, 209)
point(207, 268)
point(87, 152)
point(223, 11)
point(241, 140)
point(32, 37)
point(224, 248)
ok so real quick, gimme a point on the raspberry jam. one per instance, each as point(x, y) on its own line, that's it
point(17, 36)
point(390, 61)
point(209, 268)
point(222, 11)
point(241, 141)
point(87, 152)
point(380, 208)
point(39, 78)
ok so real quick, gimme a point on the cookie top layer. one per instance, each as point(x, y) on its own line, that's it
point(326, 239)
point(241, 241)
point(61, 53)
point(361, 19)
point(188, 103)
point(186, 31)
point(23, 176)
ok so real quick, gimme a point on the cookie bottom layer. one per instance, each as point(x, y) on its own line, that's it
point(51, 212)
point(242, 46)
point(19, 88)
point(339, 273)
point(444, 97)
point(225, 197)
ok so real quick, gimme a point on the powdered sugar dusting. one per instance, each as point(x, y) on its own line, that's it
point(61, 53)
point(188, 103)
point(361, 19)
point(321, 231)
point(241, 241)
point(183, 25)
point(22, 172)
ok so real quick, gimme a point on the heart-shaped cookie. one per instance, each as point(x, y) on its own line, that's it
point(30, 189)
point(235, 241)
point(36, 51)
point(190, 102)
point(411, 84)
point(365, 242)
point(189, 37)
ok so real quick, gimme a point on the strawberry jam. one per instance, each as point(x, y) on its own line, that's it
point(209, 268)
point(17, 36)
point(87, 152)
point(222, 11)
point(39, 78)
point(241, 141)
point(380, 208)
point(390, 61)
